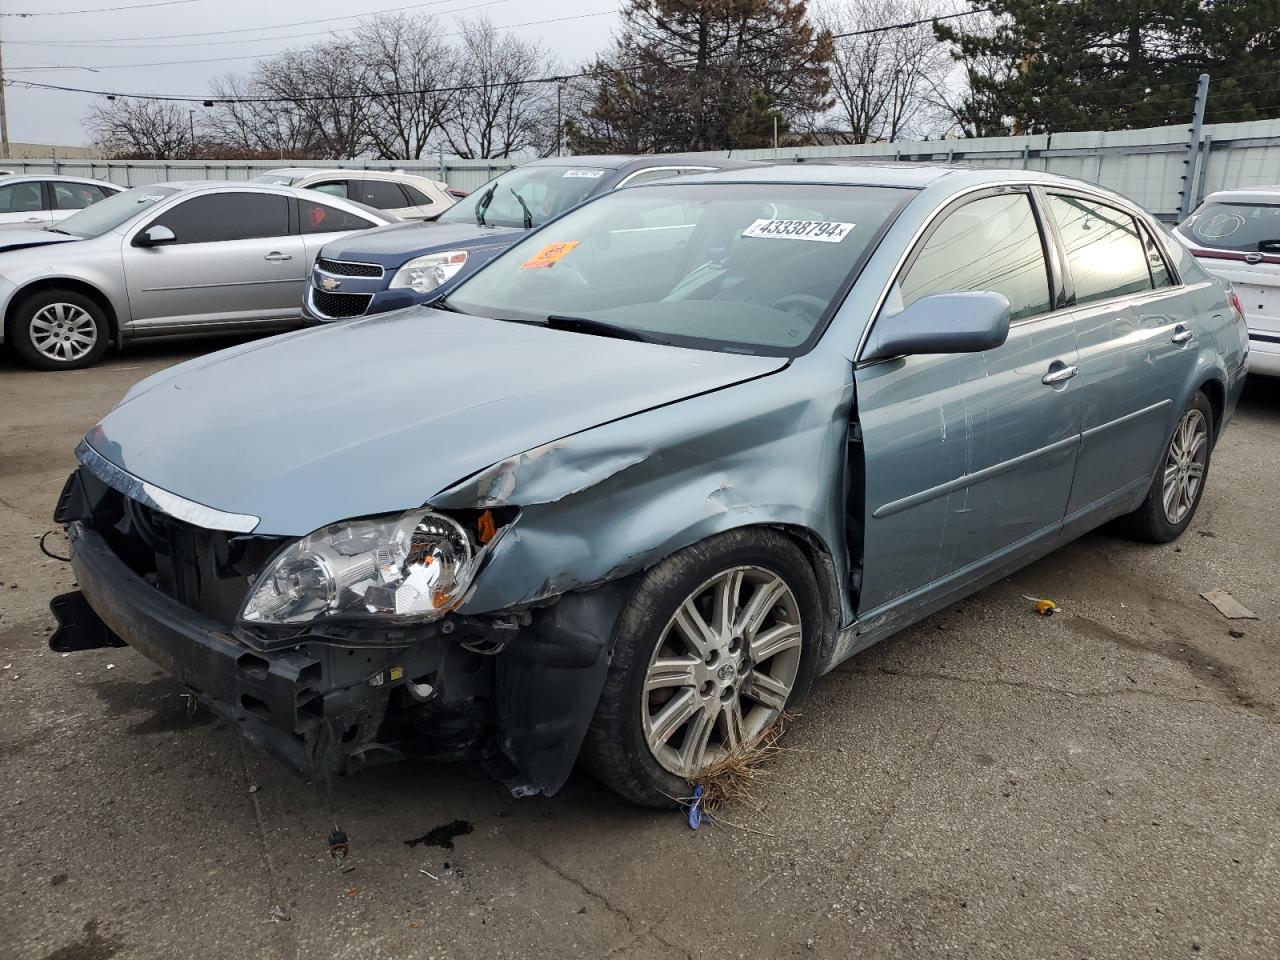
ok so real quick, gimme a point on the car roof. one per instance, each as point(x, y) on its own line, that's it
point(56, 177)
point(890, 173)
point(1267, 194)
point(633, 161)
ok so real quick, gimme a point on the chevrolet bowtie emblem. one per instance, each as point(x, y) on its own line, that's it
point(330, 284)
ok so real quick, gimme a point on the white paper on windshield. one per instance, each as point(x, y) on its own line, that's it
point(824, 231)
point(589, 174)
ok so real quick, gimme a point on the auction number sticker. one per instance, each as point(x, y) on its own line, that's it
point(824, 231)
point(588, 174)
point(549, 254)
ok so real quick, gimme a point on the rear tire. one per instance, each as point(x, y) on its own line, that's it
point(59, 330)
point(748, 664)
point(1178, 485)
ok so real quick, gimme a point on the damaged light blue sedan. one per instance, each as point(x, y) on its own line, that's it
point(625, 493)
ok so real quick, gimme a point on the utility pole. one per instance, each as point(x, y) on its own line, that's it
point(4, 113)
point(1193, 148)
point(559, 120)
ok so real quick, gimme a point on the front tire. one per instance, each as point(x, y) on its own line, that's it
point(59, 330)
point(1178, 485)
point(717, 640)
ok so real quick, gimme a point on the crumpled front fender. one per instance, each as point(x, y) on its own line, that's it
point(613, 500)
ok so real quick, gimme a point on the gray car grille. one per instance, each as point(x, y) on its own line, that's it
point(340, 269)
point(339, 306)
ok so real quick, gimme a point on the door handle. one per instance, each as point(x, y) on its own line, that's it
point(276, 257)
point(1181, 334)
point(1060, 375)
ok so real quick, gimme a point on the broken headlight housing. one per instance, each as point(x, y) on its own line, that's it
point(423, 274)
point(413, 567)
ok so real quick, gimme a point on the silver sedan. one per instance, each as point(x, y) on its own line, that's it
point(169, 258)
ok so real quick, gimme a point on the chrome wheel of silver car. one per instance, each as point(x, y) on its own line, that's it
point(63, 332)
point(1185, 465)
point(723, 668)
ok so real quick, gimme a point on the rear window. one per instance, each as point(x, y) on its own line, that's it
point(1235, 226)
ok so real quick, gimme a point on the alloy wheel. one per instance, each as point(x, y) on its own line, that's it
point(1185, 465)
point(723, 669)
point(63, 332)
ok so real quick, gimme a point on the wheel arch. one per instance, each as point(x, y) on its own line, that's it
point(1216, 392)
point(72, 284)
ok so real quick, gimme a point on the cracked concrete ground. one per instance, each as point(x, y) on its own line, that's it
point(1101, 783)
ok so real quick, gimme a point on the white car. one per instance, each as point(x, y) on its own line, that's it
point(1235, 234)
point(33, 201)
point(405, 195)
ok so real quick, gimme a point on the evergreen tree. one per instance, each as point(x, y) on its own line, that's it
point(702, 75)
point(1048, 67)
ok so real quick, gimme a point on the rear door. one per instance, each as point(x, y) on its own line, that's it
point(1135, 331)
point(236, 258)
point(969, 457)
point(24, 204)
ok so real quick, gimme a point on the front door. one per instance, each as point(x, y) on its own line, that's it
point(235, 258)
point(24, 204)
point(1136, 342)
point(968, 457)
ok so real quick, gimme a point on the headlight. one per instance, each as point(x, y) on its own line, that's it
point(426, 273)
point(412, 567)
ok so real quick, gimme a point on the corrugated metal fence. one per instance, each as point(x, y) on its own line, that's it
point(1147, 165)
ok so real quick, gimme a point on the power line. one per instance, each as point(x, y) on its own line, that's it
point(31, 84)
point(265, 56)
point(272, 26)
point(131, 6)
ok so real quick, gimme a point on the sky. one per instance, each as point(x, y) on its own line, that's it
point(121, 45)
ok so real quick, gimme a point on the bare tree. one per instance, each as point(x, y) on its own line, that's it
point(255, 128)
point(886, 83)
point(130, 128)
point(497, 111)
point(409, 66)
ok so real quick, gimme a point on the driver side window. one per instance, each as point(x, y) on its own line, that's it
point(992, 244)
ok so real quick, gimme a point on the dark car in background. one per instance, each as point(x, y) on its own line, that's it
point(408, 264)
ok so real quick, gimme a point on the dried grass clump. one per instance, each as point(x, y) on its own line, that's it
point(733, 779)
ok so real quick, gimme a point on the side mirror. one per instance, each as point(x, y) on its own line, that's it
point(155, 236)
point(942, 323)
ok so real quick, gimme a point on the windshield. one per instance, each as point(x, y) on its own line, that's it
point(754, 268)
point(1235, 226)
point(546, 191)
point(110, 213)
point(276, 179)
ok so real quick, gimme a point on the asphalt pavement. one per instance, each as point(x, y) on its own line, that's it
point(990, 783)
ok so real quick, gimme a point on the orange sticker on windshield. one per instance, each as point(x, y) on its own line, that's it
point(548, 255)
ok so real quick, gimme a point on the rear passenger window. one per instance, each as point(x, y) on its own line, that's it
point(1106, 255)
point(322, 218)
point(76, 196)
point(222, 216)
point(379, 194)
point(992, 245)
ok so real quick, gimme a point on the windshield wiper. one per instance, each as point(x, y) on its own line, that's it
point(56, 230)
point(446, 306)
point(600, 328)
point(528, 217)
point(483, 204)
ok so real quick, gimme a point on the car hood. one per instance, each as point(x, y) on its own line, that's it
point(378, 415)
point(395, 245)
point(24, 238)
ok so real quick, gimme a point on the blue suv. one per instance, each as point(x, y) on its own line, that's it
point(409, 263)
